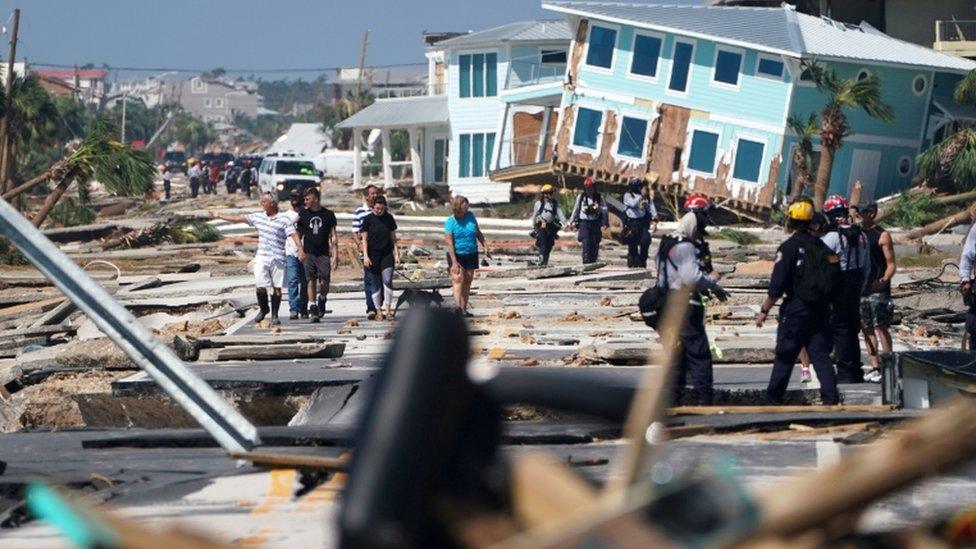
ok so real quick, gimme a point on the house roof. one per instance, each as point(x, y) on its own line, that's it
point(952, 109)
point(400, 112)
point(306, 139)
point(778, 30)
point(519, 31)
point(69, 74)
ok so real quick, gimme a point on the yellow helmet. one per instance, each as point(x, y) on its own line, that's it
point(801, 210)
point(547, 188)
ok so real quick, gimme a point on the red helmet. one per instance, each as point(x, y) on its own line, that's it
point(588, 182)
point(697, 200)
point(835, 203)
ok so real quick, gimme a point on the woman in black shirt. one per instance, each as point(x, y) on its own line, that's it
point(380, 254)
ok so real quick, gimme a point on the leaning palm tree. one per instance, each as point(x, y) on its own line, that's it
point(120, 168)
point(842, 95)
point(802, 157)
point(950, 164)
point(32, 123)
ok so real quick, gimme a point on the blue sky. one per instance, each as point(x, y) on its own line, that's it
point(246, 34)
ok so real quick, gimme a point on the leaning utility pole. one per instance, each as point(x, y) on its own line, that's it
point(124, 101)
point(5, 160)
point(359, 75)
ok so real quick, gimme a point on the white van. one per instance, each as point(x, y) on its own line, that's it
point(281, 174)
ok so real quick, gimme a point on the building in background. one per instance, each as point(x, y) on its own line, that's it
point(210, 99)
point(88, 83)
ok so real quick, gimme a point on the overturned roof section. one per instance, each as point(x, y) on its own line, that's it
point(306, 139)
point(952, 109)
point(400, 112)
point(519, 31)
point(778, 30)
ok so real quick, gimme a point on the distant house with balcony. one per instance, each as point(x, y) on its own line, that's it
point(698, 97)
point(453, 130)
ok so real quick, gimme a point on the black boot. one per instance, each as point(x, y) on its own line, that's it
point(275, 306)
point(321, 303)
point(263, 304)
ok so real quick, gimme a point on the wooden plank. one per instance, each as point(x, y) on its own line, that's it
point(228, 340)
point(38, 331)
point(545, 489)
point(292, 461)
point(788, 409)
point(43, 305)
point(278, 352)
point(56, 315)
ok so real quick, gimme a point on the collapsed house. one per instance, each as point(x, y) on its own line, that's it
point(698, 98)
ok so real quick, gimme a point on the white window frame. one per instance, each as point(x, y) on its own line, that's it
point(686, 156)
point(207, 103)
point(691, 65)
point(197, 85)
point(911, 166)
point(742, 61)
point(925, 89)
point(599, 133)
point(589, 40)
point(219, 103)
point(799, 72)
point(497, 82)
point(735, 151)
point(616, 141)
point(865, 71)
point(633, 52)
point(768, 57)
point(489, 155)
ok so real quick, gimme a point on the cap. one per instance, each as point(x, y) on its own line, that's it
point(835, 203)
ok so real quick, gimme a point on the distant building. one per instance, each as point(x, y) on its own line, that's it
point(402, 81)
point(210, 99)
point(88, 83)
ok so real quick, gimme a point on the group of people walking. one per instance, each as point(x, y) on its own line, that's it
point(204, 176)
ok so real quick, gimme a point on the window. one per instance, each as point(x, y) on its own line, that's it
point(633, 131)
point(207, 102)
point(919, 85)
point(553, 57)
point(704, 148)
point(727, 65)
point(295, 167)
point(770, 67)
point(647, 51)
point(478, 75)
point(219, 102)
point(748, 160)
point(197, 85)
point(475, 153)
point(588, 122)
point(862, 74)
point(904, 166)
point(600, 51)
point(680, 66)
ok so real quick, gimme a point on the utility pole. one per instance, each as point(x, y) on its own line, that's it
point(5, 159)
point(362, 64)
point(124, 97)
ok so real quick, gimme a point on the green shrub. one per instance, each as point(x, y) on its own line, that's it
point(741, 238)
point(910, 211)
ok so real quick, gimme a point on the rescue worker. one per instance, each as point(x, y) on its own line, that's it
point(167, 180)
point(247, 177)
point(547, 220)
point(967, 266)
point(194, 173)
point(683, 261)
point(214, 177)
point(641, 215)
point(807, 272)
point(589, 218)
point(877, 307)
point(230, 178)
point(851, 246)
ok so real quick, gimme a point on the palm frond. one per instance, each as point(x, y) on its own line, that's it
point(965, 92)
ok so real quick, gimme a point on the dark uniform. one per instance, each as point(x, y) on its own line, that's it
point(801, 323)
point(640, 213)
point(590, 215)
point(851, 246)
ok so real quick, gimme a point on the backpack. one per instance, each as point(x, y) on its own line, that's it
point(816, 274)
point(654, 299)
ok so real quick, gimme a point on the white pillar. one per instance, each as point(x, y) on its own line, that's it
point(357, 159)
point(387, 158)
point(416, 165)
point(500, 140)
point(543, 135)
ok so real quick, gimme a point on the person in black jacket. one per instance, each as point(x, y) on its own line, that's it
point(806, 271)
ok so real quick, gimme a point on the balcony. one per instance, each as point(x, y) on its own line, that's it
point(956, 37)
point(532, 71)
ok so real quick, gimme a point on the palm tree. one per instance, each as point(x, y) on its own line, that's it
point(33, 124)
point(951, 163)
point(862, 93)
point(120, 168)
point(802, 157)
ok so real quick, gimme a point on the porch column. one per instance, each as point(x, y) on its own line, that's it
point(500, 140)
point(415, 164)
point(387, 158)
point(540, 154)
point(357, 159)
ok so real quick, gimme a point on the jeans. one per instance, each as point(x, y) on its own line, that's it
point(368, 286)
point(297, 285)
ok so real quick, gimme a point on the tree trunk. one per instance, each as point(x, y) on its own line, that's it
point(13, 193)
point(50, 201)
point(963, 217)
point(823, 177)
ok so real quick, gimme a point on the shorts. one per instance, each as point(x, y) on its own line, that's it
point(877, 311)
point(467, 261)
point(268, 273)
point(318, 267)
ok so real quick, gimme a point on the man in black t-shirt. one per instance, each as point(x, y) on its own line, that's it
point(318, 249)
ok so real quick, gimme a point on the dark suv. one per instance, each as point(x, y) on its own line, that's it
point(175, 161)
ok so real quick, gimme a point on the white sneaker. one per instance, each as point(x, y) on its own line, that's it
point(874, 376)
point(805, 376)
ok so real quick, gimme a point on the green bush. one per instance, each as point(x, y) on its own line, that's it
point(910, 211)
point(69, 212)
point(741, 238)
point(192, 232)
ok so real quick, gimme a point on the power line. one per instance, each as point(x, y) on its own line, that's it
point(235, 71)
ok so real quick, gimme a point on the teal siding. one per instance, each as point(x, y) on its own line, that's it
point(472, 115)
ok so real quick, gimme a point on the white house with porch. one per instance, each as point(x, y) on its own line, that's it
point(471, 100)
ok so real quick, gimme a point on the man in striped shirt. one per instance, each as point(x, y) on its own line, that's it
point(273, 229)
point(369, 195)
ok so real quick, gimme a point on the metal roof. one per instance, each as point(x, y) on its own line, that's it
point(400, 112)
point(952, 109)
point(519, 31)
point(778, 30)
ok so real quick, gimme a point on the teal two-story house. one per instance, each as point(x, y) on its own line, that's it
point(699, 97)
